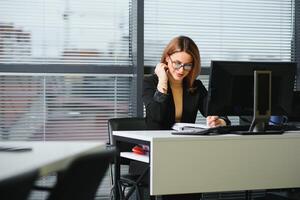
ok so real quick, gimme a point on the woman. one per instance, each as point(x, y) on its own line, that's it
point(173, 94)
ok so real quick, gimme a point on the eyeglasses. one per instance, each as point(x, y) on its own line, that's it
point(177, 65)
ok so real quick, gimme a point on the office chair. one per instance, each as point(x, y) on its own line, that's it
point(82, 177)
point(18, 187)
point(132, 181)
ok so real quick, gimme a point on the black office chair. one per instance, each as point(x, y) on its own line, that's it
point(131, 181)
point(18, 187)
point(82, 178)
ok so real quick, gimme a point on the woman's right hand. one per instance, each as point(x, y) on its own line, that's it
point(161, 71)
point(214, 121)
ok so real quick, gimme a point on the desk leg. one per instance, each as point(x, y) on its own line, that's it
point(116, 177)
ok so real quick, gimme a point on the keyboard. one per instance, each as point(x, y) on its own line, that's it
point(235, 129)
point(6, 148)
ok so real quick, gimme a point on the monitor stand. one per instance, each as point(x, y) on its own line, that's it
point(262, 100)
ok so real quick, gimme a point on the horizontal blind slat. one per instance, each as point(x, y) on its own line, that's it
point(239, 30)
point(65, 32)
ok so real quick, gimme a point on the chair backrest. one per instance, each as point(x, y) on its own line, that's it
point(125, 124)
point(18, 187)
point(82, 178)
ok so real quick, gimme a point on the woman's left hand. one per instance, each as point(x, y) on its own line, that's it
point(214, 121)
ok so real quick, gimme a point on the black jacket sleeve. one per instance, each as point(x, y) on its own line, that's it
point(201, 91)
point(156, 103)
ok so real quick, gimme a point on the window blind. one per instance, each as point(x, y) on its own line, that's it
point(65, 31)
point(48, 107)
point(61, 106)
point(74, 35)
point(223, 29)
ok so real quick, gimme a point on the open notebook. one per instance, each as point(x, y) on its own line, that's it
point(187, 126)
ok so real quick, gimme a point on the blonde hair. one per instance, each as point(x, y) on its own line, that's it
point(184, 44)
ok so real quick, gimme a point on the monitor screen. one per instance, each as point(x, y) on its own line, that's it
point(231, 87)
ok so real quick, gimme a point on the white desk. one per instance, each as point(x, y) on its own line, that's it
point(193, 164)
point(47, 157)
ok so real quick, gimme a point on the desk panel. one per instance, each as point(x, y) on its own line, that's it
point(194, 164)
point(224, 164)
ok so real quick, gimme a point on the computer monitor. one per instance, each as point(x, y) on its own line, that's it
point(258, 89)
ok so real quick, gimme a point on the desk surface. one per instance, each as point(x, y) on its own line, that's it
point(193, 164)
point(47, 157)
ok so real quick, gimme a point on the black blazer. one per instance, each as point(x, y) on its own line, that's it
point(160, 108)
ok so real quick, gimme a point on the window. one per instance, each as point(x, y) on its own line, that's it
point(68, 32)
point(83, 44)
point(65, 68)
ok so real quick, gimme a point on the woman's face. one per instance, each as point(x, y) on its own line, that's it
point(179, 65)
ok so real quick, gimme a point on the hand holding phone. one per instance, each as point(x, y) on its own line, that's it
point(161, 70)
